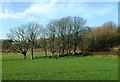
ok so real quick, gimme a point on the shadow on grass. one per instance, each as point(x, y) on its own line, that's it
point(72, 55)
point(55, 56)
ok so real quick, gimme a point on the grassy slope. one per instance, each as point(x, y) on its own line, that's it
point(67, 68)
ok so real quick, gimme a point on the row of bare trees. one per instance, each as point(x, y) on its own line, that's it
point(67, 35)
point(64, 35)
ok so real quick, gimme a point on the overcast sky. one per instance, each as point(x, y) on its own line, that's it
point(13, 14)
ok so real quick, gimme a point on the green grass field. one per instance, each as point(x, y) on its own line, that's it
point(64, 68)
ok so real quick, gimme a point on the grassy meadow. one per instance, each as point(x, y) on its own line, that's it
point(64, 68)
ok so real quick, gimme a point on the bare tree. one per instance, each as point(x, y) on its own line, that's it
point(25, 37)
point(43, 38)
point(62, 28)
point(78, 25)
point(69, 32)
point(19, 36)
point(52, 35)
point(33, 32)
point(58, 38)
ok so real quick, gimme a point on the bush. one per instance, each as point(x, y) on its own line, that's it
point(102, 38)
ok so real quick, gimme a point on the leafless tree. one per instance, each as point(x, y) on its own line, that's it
point(25, 37)
point(19, 36)
point(43, 38)
point(62, 26)
point(78, 25)
point(52, 35)
point(33, 32)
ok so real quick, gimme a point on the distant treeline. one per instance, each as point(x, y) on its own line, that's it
point(69, 35)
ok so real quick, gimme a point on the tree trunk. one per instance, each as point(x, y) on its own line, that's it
point(62, 40)
point(59, 48)
point(63, 51)
point(24, 54)
point(58, 55)
point(53, 45)
point(69, 50)
point(31, 53)
point(52, 53)
point(75, 43)
point(45, 47)
point(59, 51)
point(45, 52)
point(75, 47)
